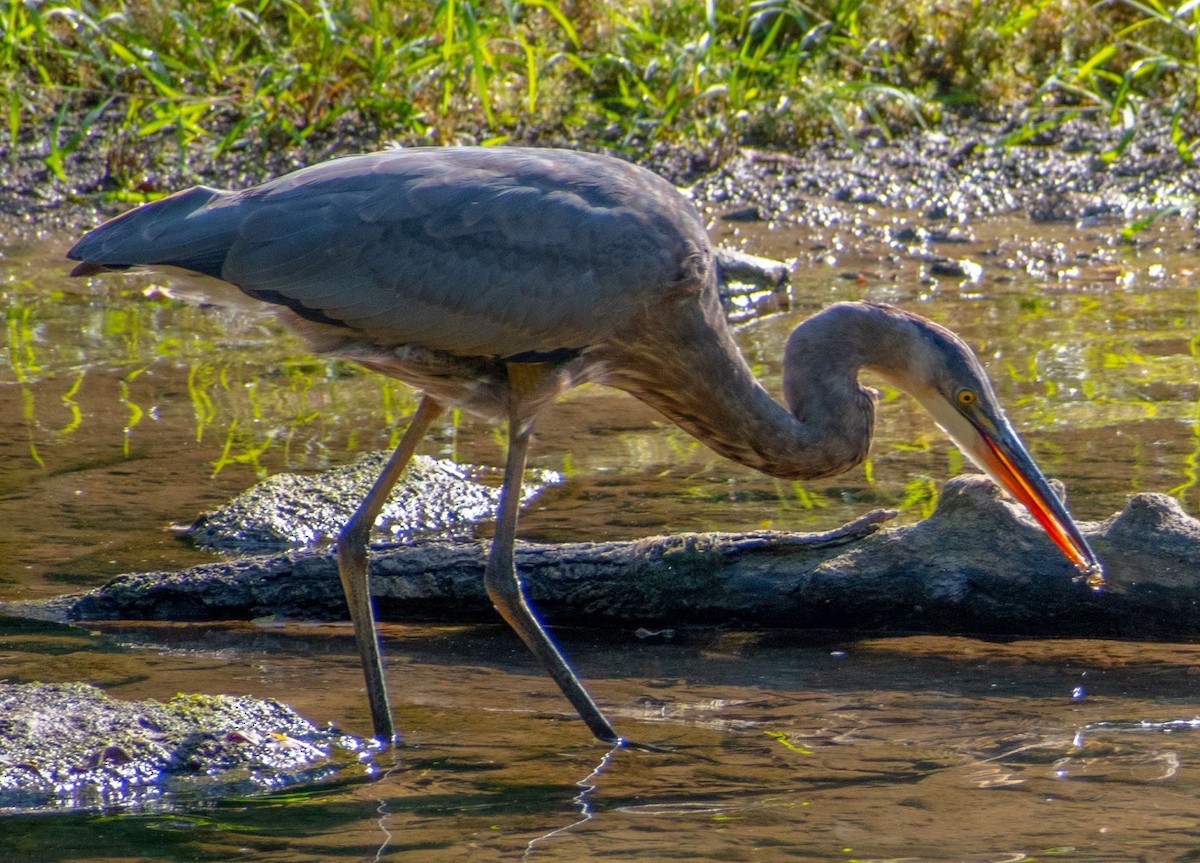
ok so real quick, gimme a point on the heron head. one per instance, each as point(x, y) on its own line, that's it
point(941, 372)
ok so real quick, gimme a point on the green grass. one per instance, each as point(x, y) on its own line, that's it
point(1148, 64)
point(258, 75)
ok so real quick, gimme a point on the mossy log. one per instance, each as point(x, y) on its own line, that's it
point(978, 564)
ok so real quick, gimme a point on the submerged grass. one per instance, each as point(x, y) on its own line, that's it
point(265, 75)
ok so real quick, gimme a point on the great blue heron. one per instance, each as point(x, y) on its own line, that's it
point(495, 279)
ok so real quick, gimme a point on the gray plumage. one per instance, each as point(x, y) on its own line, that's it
point(489, 252)
point(494, 279)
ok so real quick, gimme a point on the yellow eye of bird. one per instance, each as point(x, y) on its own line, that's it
point(966, 396)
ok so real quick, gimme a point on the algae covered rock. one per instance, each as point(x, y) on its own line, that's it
point(72, 747)
point(288, 509)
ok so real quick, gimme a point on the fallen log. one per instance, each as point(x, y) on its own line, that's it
point(977, 564)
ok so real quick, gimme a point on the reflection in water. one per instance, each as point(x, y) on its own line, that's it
point(122, 410)
point(803, 747)
point(587, 788)
point(125, 406)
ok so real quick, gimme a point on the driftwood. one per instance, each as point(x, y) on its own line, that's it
point(978, 564)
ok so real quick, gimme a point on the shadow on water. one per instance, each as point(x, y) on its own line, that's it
point(123, 409)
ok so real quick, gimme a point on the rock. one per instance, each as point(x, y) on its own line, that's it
point(70, 746)
point(287, 510)
point(751, 286)
point(978, 564)
point(735, 267)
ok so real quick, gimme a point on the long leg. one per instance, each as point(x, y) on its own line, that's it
point(352, 566)
point(505, 590)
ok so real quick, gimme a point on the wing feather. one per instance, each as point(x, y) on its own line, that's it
point(469, 251)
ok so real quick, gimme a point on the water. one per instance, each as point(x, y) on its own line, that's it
point(122, 411)
point(921, 749)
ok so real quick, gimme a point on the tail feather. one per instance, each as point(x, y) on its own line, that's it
point(189, 229)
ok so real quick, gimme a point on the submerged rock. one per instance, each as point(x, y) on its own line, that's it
point(71, 747)
point(288, 509)
point(978, 564)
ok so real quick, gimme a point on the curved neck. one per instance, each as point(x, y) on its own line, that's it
point(699, 379)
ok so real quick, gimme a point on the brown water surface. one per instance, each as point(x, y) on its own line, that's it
point(123, 410)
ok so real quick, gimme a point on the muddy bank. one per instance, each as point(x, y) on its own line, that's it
point(978, 564)
point(958, 171)
point(71, 747)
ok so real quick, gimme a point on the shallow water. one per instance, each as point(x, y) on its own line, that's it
point(123, 410)
point(919, 749)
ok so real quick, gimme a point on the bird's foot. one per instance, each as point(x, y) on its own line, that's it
point(624, 743)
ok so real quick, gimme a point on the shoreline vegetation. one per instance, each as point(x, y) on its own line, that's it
point(152, 93)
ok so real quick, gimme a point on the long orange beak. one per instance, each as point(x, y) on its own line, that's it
point(1008, 463)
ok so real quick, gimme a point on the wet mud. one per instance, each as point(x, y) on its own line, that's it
point(964, 169)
